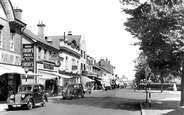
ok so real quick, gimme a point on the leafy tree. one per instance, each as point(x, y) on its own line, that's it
point(158, 25)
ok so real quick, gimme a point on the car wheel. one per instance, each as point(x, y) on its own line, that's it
point(64, 98)
point(30, 104)
point(44, 101)
point(82, 95)
point(10, 107)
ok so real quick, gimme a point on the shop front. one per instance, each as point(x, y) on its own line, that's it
point(10, 79)
point(49, 77)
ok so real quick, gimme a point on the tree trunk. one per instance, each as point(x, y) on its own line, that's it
point(182, 88)
point(162, 81)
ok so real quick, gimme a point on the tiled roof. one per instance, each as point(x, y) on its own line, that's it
point(69, 38)
point(36, 38)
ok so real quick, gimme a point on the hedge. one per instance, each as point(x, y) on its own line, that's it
point(157, 86)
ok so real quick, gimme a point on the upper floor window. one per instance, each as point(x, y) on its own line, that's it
point(50, 57)
point(84, 54)
point(73, 62)
point(39, 53)
point(81, 53)
point(45, 54)
point(66, 63)
point(1, 38)
point(12, 34)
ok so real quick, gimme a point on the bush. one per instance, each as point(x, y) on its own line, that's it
point(157, 86)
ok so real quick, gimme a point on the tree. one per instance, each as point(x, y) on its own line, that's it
point(158, 25)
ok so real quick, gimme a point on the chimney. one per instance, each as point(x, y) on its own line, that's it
point(18, 13)
point(69, 33)
point(41, 30)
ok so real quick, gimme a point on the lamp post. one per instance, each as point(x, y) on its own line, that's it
point(26, 71)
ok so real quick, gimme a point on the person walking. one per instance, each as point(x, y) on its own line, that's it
point(174, 87)
point(135, 87)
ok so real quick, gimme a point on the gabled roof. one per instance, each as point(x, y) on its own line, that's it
point(35, 38)
point(69, 39)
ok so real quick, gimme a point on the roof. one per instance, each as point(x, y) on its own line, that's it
point(69, 38)
point(34, 37)
point(105, 69)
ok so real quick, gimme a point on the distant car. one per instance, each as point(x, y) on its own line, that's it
point(28, 96)
point(73, 90)
point(121, 85)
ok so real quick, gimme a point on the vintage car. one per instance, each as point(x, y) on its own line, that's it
point(28, 96)
point(73, 90)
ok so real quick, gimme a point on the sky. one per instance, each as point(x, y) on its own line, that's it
point(100, 22)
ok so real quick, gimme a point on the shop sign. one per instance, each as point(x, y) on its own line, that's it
point(48, 66)
point(28, 57)
point(10, 58)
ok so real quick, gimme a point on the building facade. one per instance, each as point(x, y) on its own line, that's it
point(69, 54)
point(40, 56)
point(11, 28)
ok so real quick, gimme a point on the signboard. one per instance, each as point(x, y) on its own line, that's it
point(28, 57)
point(10, 58)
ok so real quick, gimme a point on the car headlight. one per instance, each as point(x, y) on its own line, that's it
point(12, 96)
point(23, 95)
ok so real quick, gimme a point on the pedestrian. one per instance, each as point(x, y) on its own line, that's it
point(135, 87)
point(174, 87)
point(67, 89)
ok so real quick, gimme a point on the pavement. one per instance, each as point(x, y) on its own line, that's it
point(165, 103)
point(4, 106)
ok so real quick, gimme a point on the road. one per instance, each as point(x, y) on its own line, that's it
point(113, 102)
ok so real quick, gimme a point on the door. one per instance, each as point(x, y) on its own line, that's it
point(36, 93)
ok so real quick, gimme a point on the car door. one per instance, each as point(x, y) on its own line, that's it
point(40, 93)
point(36, 93)
point(80, 88)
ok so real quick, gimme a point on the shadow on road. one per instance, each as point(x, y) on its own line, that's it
point(104, 102)
point(179, 111)
point(162, 105)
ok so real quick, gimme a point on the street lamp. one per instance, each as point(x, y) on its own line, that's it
point(26, 71)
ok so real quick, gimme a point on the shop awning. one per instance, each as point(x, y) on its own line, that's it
point(62, 75)
point(33, 74)
point(47, 75)
point(11, 69)
point(85, 79)
point(52, 75)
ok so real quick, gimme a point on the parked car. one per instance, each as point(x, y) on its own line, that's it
point(28, 96)
point(88, 90)
point(73, 90)
point(121, 85)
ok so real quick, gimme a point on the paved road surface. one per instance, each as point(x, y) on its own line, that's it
point(114, 102)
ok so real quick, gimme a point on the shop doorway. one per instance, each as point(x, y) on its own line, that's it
point(9, 84)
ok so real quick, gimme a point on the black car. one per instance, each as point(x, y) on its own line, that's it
point(73, 90)
point(28, 96)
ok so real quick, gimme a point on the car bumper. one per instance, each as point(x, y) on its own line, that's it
point(13, 104)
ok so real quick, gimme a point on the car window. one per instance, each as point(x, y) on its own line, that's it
point(40, 89)
point(36, 88)
point(25, 88)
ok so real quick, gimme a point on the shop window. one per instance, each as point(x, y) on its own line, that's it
point(12, 34)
